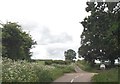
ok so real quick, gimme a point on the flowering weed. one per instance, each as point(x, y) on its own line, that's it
point(24, 71)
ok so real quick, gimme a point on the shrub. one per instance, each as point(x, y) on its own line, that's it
point(48, 62)
point(55, 73)
point(84, 65)
point(60, 70)
point(59, 62)
point(24, 71)
point(68, 61)
point(65, 68)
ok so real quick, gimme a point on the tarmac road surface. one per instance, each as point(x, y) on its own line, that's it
point(79, 76)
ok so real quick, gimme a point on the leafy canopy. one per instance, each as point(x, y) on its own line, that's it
point(70, 54)
point(16, 44)
point(100, 37)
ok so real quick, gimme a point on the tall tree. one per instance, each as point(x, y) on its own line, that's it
point(70, 54)
point(97, 39)
point(16, 44)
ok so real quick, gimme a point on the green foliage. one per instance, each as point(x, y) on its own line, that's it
point(16, 44)
point(41, 62)
point(106, 76)
point(62, 62)
point(68, 69)
point(24, 71)
point(60, 70)
point(59, 62)
point(70, 54)
point(56, 73)
point(99, 38)
point(86, 66)
point(119, 74)
point(48, 62)
point(68, 61)
point(65, 68)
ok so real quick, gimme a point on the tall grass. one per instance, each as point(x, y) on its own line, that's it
point(107, 76)
point(23, 71)
point(86, 66)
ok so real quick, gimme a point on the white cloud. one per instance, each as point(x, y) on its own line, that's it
point(53, 51)
point(60, 18)
point(48, 38)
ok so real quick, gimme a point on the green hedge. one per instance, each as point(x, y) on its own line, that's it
point(49, 62)
point(23, 71)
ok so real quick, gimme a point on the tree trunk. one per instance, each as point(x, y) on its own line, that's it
point(112, 62)
point(92, 63)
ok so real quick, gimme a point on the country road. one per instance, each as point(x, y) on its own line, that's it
point(79, 76)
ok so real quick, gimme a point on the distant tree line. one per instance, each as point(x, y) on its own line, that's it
point(16, 44)
point(100, 38)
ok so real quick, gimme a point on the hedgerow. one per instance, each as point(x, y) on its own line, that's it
point(24, 71)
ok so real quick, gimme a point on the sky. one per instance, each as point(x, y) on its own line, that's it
point(54, 24)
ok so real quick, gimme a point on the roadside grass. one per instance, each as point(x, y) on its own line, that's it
point(106, 76)
point(119, 74)
point(24, 71)
point(65, 68)
point(0, 69)
point(87, 67)
point(103, 76)
point(59, 70)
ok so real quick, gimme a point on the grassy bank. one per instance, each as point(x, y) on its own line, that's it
point(107, 76)
point(87, 67)
point(23, 71)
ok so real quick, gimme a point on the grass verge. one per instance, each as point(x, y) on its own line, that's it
point(106, 76)
point(87, 67)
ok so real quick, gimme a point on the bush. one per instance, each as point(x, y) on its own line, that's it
point(68, 62)
point(48, 62)
point(59, 62)
point(84, 65)
point(65, 68)
point(24, 71)
point(55, 73)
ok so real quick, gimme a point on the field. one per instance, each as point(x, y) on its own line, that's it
point(24, 71)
